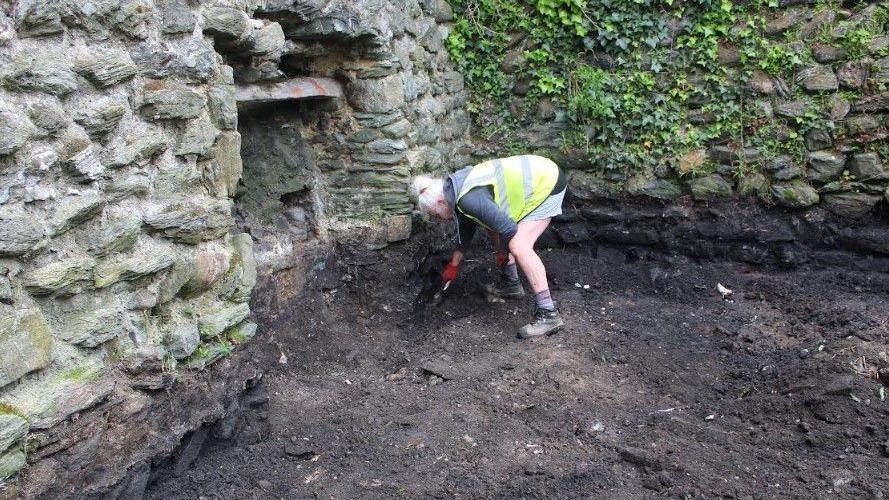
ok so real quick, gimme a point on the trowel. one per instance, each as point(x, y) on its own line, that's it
point(432, 295)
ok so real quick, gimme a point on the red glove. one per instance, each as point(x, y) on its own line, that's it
point(449, 273)
point(502, 259)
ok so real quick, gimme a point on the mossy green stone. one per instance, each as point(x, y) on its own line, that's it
point(25, 344)
point(12, 428)
point(11, 463)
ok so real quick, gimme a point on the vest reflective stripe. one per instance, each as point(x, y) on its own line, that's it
point(519, 183)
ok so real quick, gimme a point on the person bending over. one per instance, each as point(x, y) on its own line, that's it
point(514, 199)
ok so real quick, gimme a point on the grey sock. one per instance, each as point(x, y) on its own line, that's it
point(544, 300)
point(510, 272)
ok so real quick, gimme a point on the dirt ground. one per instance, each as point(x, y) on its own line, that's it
point(656, 387)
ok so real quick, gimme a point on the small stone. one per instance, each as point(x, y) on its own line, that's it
point(85, 166)
point(75, 210)
point(172, 104)
point(242, 276)
point(873, 103)
point(67, 277)
point(226, 23)
point(878, 44)
point(48, 116)
point(198, 137)
point(136, 149)
point(10, 463)
point(104, 67)
point(132, 18)
point(94, 327)
point(839, 108)
point(398, 130)
point(176, 16)
point(15, 130)
point(20, 232)
point(825, 166)
point(817, 139)
point(12, 428)
point(867, 167)
point(792, 109)
point(227, 165)
point(243, 332)
point(795, 194)
point(852, 205)
point(661, 189)
point(25, 343)
point(40, 73)
point(193, 220)
point(784, 21)
point(100, 119)
point(853, 74)
point(209, 265)
point(387, 146)
point(190, 59)
point(264, 484)
point(266, 42)
point(214, 323)
point(788, 173)
point(146, 260)
point(376, 96)
point(710, 186)
point(818, 78)
point(828, 53)
point(35, 18)
point(861, 124)
point(223, 106)
point(132, 185)
point(182, 340)
point(440, 10)
point(755, 184)
point(816, 24)
point(116, 236)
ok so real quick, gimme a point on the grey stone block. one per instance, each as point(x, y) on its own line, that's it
point(66, 277)
point(172, 104)
point(104, 67)
point(40, 73)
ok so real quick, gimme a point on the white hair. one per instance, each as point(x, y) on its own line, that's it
point(427, 190)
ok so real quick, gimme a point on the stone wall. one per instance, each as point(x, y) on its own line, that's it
point(813, 131)
point(126, 263)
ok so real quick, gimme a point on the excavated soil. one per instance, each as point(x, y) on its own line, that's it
point(656, 387)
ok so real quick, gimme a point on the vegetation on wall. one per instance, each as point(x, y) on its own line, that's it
point(636, 85)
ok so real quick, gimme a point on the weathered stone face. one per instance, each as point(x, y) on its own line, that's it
point(19, 232)
point(47, 73)
point(104, 68)
point(796, 194)
point(15, 130)
point(376, 96)
point(192, 221)
point(825, 166)
point(25, 343)
point(172, 104)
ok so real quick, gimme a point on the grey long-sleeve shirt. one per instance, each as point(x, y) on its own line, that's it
point(480, 203)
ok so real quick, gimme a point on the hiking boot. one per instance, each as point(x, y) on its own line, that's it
point(505, 289)
point(545, 322)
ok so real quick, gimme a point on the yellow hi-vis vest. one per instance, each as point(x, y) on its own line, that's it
point(519, 183)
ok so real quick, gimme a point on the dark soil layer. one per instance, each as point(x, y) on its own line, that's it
point(657, 387)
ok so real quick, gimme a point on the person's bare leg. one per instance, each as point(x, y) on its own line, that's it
point(522, 248)
point(547, 319)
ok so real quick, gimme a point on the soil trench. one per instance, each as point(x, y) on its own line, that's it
point(658, 386)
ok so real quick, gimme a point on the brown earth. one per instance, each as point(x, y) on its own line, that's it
point(656, 387)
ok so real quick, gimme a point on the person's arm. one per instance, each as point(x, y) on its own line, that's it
point(479, 202)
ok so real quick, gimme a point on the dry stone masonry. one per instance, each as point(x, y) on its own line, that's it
point(129, 215)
